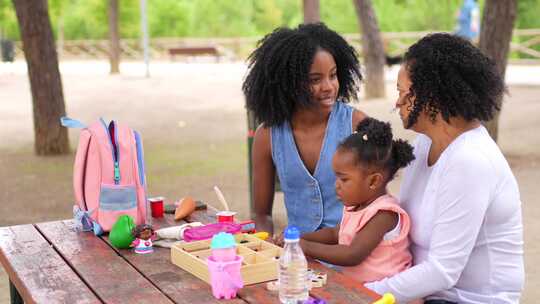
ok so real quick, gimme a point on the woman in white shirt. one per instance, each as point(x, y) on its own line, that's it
point(463, 200)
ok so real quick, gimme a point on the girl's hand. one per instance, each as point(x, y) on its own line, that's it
point(277, 239)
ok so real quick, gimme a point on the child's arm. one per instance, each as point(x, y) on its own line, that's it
point(327, 235)
point(363, 243)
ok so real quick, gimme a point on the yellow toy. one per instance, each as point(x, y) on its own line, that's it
point(387, 298)
point(263, 235)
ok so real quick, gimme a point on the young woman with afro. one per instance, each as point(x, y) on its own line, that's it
point(298, 85)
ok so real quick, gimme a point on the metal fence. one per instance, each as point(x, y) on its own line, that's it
point(525, 46)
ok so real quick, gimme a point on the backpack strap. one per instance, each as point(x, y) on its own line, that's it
point(71, 123)
point(79, 169)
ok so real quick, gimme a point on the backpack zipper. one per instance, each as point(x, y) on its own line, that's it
point(114, 150)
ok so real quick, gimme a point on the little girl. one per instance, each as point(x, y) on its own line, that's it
point(371, 240)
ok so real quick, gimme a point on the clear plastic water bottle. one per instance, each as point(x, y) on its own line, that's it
point(293, 286)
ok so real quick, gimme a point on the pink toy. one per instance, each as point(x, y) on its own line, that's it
point(208, 231)
point(224, 254)
point(225, 277)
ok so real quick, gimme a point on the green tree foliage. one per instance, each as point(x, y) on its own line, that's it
point(528, 14)
point(87, 19)
point(9, 28)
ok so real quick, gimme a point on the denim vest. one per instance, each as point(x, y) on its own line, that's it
point(311, 200)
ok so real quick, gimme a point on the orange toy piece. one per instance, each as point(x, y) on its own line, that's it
point(185, 207)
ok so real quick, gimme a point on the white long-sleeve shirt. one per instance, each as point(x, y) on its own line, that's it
point(466, 232)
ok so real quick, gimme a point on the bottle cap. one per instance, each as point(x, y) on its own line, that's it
point(291, 233)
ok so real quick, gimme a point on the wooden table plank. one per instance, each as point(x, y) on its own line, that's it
point(259, 294)
point(340, 288)
point(178, 284)
point(106, 273)
point(38, 271)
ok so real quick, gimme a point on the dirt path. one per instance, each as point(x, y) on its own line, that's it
point(194, 129)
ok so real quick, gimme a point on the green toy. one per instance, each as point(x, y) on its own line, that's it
point(120, 235)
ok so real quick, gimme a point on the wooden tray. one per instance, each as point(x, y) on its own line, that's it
point(260, 263)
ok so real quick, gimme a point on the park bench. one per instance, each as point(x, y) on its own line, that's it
point(195, 51)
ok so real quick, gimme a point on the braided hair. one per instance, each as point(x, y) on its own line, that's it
point(372, 144)
point(277, 83)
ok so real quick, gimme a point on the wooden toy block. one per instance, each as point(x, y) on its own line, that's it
point(260, 263)
point(317, 279)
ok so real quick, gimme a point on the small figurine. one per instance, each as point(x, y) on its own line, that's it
point(144, 235)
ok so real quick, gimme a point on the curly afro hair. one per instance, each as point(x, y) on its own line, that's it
point(452, 77)
point(373, 145)
point(277, 82)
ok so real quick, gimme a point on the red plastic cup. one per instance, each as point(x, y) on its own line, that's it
point(156, 204)
point(225, 216)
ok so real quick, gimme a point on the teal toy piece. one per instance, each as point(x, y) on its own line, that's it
point(222, 240)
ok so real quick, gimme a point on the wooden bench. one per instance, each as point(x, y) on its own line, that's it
point(195, 51)
point(53, 263)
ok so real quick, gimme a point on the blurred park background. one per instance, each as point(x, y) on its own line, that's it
point(87, 59)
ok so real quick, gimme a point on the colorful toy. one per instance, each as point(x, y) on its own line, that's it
point(184, 207)
point(208, 231)
point(260, 258)
point(387, 298)
point(223, 247)
point(176, 232)
point(225, 216)
point(263, 235)
point(248, 226)
point(144, 235)
point(224, 266)
point(156, 205)
point(317, 279)
point(121, 233)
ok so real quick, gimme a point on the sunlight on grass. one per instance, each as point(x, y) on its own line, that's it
point(166, 162)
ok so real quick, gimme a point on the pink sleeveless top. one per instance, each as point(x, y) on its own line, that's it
point(390, 256)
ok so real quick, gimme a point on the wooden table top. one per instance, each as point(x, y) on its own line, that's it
point(53, 263)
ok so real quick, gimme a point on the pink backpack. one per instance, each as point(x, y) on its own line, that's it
point(108, 175)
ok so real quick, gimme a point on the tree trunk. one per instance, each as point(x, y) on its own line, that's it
point(311, 11)
point(45, 82)
point(114, 38)
point(372, 49)
point(495, 37)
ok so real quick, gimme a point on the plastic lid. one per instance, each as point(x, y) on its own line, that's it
point(291, 233)
point(222, 240)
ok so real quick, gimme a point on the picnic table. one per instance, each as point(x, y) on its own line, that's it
point(53, 263)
